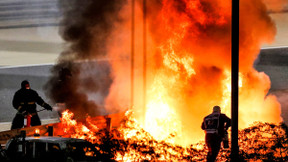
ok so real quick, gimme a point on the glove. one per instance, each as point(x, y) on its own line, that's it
point(48, 107)
point(22, 110)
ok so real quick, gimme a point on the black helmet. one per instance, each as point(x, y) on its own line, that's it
point(216, 109)
point(24, 83)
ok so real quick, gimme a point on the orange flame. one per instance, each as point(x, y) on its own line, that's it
point(75, 129)
point(188, 67)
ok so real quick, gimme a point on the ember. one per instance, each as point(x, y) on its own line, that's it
point(130, 142)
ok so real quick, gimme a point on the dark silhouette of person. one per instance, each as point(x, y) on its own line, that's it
point(215, 126)
point(24, 101)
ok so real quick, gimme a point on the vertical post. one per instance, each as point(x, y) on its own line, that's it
point(144, 54)
point(132, 50)
point(234, 80)
point(50, 130)
point(23, 135)
point(108, 124)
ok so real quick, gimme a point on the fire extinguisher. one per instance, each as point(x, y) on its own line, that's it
point(27, 120)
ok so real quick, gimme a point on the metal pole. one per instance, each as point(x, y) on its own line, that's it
point(234, 80)
point(50, 131)
point(108, 124)
point(132, 50)
point(144, 54)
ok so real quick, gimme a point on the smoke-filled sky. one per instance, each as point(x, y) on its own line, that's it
point(188, 62)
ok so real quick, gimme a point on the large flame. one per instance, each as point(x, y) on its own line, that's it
point(188, 71)
point(188, 66)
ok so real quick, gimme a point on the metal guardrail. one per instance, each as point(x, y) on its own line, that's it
point(54, 129)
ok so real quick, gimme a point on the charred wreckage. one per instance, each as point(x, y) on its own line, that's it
point(49, 143)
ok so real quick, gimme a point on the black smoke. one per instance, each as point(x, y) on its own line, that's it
point(80, 79)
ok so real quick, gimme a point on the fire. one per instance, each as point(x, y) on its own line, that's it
point(226, 95)
point(189, 61)
point(163, 125)
point(130, 142)
point(36, 132)
point(188, 65)
point(130, 139)
point(75, 129)
point(136, 135)
point(161, 119)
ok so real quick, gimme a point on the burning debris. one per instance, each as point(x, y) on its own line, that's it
point(130, 142)
point(265, 141)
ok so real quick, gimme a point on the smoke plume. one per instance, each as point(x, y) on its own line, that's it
point(81, 77)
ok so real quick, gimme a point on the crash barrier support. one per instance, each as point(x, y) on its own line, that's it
point(54, 129)
point(23, 135)
point(50, 130)
point(108, 123)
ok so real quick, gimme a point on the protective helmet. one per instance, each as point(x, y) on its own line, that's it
point(216, 109)
point(24, 83)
